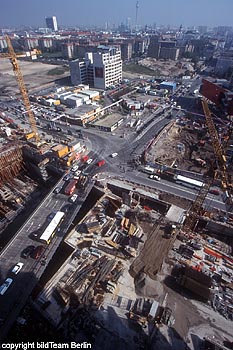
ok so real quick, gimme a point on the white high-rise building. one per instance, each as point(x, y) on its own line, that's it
point(107, 67)
point(51, 23)
point(101, 69)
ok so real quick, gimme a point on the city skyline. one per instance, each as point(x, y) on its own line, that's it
point(168, 12)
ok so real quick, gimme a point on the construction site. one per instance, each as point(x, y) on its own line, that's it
point(159, 67)
point(28, 163)
point(17, 186)
point(133, 268)
point(148, 268)
point(36, 74)
point(26, 173)
point(187, 145)
point(168, 68)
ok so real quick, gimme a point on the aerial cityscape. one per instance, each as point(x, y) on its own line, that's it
point(116, 175)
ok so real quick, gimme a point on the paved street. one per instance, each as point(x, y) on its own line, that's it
point(22, 285)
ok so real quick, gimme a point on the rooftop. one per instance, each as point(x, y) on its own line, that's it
point(81, 110)
point(109, 120)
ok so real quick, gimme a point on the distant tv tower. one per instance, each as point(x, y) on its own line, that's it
point(136, 20)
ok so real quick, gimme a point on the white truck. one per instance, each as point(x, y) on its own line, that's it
point(148, 170)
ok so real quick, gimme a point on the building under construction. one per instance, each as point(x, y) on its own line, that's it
point(16, 183)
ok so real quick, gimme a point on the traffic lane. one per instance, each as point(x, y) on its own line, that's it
point(32, 270)
point(138, 145)
point(162, 185)
point(104, 146)
point(15, 292)
point(173, 188)
point(21, 240)
point(97, 137)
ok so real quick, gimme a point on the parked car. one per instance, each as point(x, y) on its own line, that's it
point(214, 191)
point(66, 208)
point(100, 163)
point(27, 251)
point(74, 168)
point(67, 177)
point(57, 190)
point(155, 177)
point(73, 198)
point(113, 155)
point(51, 216)
point(37, 252)
point(89, 161)
point(85, 158)
point(5, 285)
point(16, 269)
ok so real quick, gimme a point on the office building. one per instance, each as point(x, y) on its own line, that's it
point(161, 49)
point(81, 71)
point(100, 69)
point(202, 29)
point(46, 44)
point(107, 66)
point(153, 48)
point(126, 51)
point(169, 53)
point(3, 44)
point(31, 43)
point(67, 50)
point(223, 64)
point(51, 23)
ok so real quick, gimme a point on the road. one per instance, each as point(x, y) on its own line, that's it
point(129, 145)
point(211, 201)
point(23, 283)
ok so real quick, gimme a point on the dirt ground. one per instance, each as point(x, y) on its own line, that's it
point(154, 250)
point(193, 319)
point(181, 146)
point(167, 68)
point(35, 75)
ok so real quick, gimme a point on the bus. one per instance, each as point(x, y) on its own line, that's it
point(50, 230)
point(188, 182)
point(71, 187)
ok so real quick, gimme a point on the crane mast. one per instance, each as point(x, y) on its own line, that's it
point(196, 206)
point(218, 150)
point(220, 157)
point(22, 87)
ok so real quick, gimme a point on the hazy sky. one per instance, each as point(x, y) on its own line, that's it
point(88, 12)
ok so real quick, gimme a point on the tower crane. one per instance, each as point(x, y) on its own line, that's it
point(219, 170)
point(16, 68)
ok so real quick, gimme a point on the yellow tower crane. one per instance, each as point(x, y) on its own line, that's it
point(13, 58)
point(220, 172)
